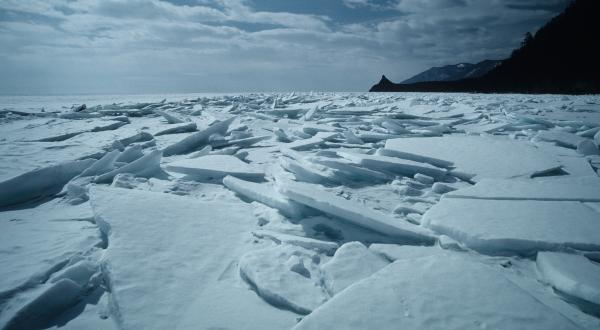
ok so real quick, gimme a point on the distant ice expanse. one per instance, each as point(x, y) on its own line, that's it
point(300, 210)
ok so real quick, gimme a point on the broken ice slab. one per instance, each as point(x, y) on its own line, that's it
point(351, 263)
point(264, 193)
point(42, 182)
point(523, 227)
point(415, 157)
point(171, 119)
point(305, 144)
point(411, 295)
point(216, 167)
point(198, 139)
point(308, 172)
point(183, 128)
point(394, 165)
point(304, 242)
point(312, 196)
point(583, 189)
point(563, 139)
point(346, 170)
point(393, 252)
point(573, 275)
point(169, 257)
point(145, 166)
point(246, 142)
point(487, 157)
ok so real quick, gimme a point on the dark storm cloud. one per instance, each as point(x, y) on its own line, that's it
point(59, 46)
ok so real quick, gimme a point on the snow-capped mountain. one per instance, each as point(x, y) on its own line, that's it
point(454, 72)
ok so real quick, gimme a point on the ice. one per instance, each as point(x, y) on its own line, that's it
point(314, 197)
point(40, 311)
point(583, 189)
point(216, 167)
point(440, 188)
point(264, 193)
point(80, 273)
point(425, 179)
point(285, 277)
point(171, 119)
point(437, 292)
point(42, 182)
point(394, 165)
point(183, 128)
point(305, 144)
point(393, 252)
point(104, 164)
point(305, 242)
point(170, 257)
point(563, 139)
point(487, 157)
point(308, 172)
point(349, 171)
point(573, 275)
point(417, 158)
point(230, 241)
point(351, 263)
point(497, 226)
point(198, 139)
point(587, 147)
point(145, 166)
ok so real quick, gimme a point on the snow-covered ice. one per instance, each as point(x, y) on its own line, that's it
point(307, 210)
point(437, 292)
point(574, 275)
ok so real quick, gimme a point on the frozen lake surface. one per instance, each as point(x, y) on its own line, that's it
point(300, 210)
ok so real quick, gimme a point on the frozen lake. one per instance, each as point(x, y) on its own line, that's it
point(300, 210)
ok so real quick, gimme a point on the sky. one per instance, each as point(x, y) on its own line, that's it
point(181, 46)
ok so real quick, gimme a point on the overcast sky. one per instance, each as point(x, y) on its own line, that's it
point(159, 46)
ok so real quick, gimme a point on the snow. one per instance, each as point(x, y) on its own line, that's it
point(216, 167)
point(574, 275)
point(437, 292)
point(317, 210)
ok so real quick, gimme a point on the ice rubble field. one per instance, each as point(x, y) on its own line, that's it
point(304, 211)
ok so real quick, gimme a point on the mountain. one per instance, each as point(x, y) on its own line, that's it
point(561, 58)
point(454, 72)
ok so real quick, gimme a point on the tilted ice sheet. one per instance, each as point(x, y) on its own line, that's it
point(573, 275)
point(216, 166)
point(584, 189)
point(487, 157)
point(516, 226)
point(437, 292)
point(360, 215)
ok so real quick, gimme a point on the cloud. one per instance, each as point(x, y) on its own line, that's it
point(64, 46)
